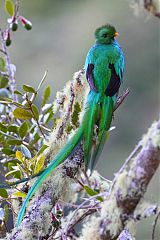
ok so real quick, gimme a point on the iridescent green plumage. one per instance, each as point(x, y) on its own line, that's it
point(104, 68)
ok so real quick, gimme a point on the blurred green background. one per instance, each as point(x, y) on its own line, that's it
point(61, 36)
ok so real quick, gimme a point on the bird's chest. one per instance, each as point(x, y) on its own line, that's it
point(101, 56)
point(102, 72)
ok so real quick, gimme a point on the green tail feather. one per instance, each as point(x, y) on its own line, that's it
point(59, 158)
point(104, 125)
point(95, 105)
point(89, 122)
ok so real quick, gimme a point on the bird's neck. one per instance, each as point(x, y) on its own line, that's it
point(113, 42)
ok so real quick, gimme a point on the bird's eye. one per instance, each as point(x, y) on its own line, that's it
point(105, 35)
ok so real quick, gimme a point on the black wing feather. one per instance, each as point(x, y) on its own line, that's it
point(90, 77)
point(114, 83)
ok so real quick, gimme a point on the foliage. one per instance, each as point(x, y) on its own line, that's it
point(23, 125)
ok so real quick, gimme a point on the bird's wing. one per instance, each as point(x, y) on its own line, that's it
point(117, 70)
point(114, 82)
point(90, 76)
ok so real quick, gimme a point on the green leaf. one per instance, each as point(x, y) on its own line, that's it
point(22, 113)
point(36, 138)
point(3, 128)
point(19, 194)
point(8, 151)
point(39, 164)
point(41, 82)
point(42, 149)
point(1, 139)
point(9, 100)
point(35, 111)
point(10, 162)
point(25, 151)
point(2, 64)
point(14, 142)
point(18, 92)
point(9, 7)
point(28, 88)
point(13, 128)
point(46, 95)
point(3, 193)
point(23, 129)
point(3, 82)
point(15, 173)
point(92, 192)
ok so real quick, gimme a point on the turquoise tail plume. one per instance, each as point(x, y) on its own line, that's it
point(59, 158)
point(106, 113)
point(85, 131)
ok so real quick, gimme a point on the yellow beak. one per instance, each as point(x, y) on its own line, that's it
point(116, 34)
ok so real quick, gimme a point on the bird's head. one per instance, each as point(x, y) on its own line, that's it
point(105, 34)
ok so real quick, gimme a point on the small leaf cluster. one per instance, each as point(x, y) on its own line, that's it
point(24, 127)
point(13, 21)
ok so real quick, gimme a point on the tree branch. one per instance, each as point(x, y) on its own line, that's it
point(129, 188)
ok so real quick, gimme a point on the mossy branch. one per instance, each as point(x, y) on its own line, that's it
point(141, 6)
point(130, 185)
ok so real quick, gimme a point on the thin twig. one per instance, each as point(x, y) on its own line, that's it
point(121, 98)
point(8, 64)
point(2, 51)
point(154, 225)
point(75, 213)
point(11, 73)
point(67, 204)
point(78, 218)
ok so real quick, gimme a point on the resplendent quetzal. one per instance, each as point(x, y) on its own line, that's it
point(104, 67)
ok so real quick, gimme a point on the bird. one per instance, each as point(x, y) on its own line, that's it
point(104, 68)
